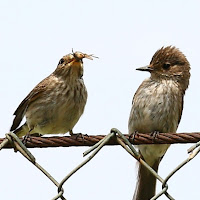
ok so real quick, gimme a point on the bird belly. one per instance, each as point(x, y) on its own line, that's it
point(56, 114)
point(64, 122)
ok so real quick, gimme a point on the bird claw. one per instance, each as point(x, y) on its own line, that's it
point(82, 136)
point(133, 135)
point(77, 135)
point(154, 135)
point(26, 138)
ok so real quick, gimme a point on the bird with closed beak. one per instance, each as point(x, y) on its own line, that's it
point(157, 107)
point(55, 105)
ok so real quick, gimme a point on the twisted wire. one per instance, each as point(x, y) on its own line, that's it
point(85, 140)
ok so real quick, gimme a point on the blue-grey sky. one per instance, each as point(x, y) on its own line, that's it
point(34, 35)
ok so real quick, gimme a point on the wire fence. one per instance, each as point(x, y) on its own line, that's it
point(115, 137)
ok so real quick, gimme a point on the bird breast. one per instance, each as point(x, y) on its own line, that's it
point(156, 107)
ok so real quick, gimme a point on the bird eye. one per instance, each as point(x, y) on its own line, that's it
point(166, 66)
point(61, 61)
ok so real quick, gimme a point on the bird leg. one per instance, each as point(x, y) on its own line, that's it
point(77, 135)
point(28, 136)
point(25, 138)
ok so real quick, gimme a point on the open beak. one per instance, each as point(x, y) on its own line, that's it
point(145, 68)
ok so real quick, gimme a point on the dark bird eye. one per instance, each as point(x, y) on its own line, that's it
point(61, 61)
point(166, 66)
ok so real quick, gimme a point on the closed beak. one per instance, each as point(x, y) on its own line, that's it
point(145, 68)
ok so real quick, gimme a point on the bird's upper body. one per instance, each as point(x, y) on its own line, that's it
point(158, 102)
point(56, 103)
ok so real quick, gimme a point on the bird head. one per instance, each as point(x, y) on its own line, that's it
point(169, 63)
point(71, 65)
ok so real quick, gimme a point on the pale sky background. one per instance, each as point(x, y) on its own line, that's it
point(34, 35)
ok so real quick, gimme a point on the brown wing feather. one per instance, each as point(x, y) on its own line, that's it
point(32, 96)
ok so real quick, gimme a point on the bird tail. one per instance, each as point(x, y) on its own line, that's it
point(146, 183)
point(22, 130)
